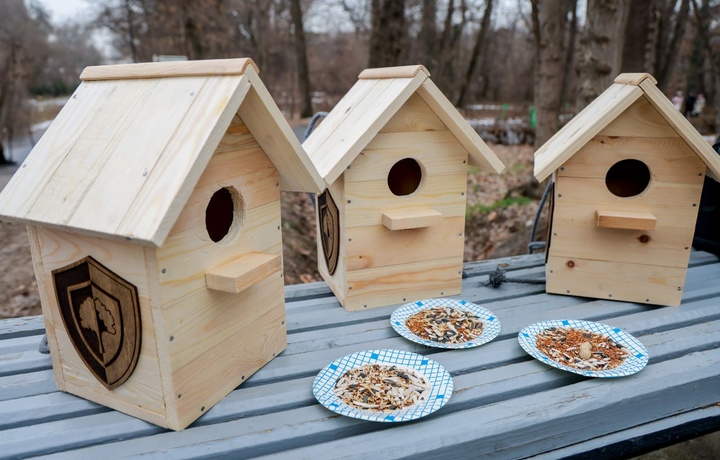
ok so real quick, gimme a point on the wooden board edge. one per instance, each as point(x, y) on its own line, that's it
point(408, 71)
point(634, 78)
point(200, 68)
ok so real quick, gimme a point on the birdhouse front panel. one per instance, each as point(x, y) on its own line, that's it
point(404, 212)
point(220, 277)
point(624, 214)
point(85, 340)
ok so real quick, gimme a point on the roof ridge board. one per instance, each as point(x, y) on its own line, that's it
point(581, 128)
point(202, 68)
point(407, 71)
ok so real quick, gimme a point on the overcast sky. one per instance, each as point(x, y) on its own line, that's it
point(62, 10)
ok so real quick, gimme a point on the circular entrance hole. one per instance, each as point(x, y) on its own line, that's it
point(627, 178)
point(404, 177)
point(223, 213)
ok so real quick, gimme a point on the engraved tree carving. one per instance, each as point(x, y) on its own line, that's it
point(96, 317)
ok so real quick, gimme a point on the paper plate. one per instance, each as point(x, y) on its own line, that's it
point(491, 329)
point(637, 360)
point(441, 384)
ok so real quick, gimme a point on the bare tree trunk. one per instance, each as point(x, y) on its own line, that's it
point(477, 50)
point(131, 31)
point(569, 53)
point(664, 75)
point(428, 34)
point(443, 52)
point(306, 109)
point(388, 31)
point(640, 36)
point(548, 29)
point(703, 17)
point(601, 48)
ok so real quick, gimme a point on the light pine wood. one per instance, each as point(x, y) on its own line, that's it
point(641, 119)
point(141, 395)
point(382, 286)
point(168, 69)
point(369, 199)
point(366, 121)
point(634, 282)
point(204, 382)
point(28, 182)
point(47, 300)
point(625, 220)
point(583, 127)
point(438, 153)
point(411, 219)
point(480, 154)
point(633, 78)
point(376, 246)
point(414, 116)
point(683, 127)
point(272, 131)
point(408, 71)
point(243, 272)
point(670, 160)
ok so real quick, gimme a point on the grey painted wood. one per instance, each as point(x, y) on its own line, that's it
point(505, 404)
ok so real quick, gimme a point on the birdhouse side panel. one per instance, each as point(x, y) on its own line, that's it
point(331, 238)
point(395, 284)
point(233, 211)
point(141, 395)
point(634, 282)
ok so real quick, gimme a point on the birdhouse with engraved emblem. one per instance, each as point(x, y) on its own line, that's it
point(153, 208)
point(627, 176)
point(394, 154)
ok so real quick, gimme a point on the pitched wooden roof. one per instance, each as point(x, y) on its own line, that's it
point(123, 155)
point(369, 105)
point(625, 90)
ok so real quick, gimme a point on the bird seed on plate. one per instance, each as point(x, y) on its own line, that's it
point(581, 349)
point(445, 325)
point(381, 387)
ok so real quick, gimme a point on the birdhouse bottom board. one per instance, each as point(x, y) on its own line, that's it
point(624, 217)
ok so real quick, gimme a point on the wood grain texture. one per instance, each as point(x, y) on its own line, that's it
point(271, 130)
point(168, 69)
point(633, 78)
point(376, 246)
point(683, 127)
point(407, 71)
point(480, 154)
point(625, 220)
point(382, 286)
point(438, 152)
point(414, 116)
point(633, 282)
point(640, 120)
point(411, 219)
point(669, 159)
point(583, 127)
point(366, 201)
point(243, 272)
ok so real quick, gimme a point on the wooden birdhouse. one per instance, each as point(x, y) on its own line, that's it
point(628, 172)
point(153, 208)
point(394, 154)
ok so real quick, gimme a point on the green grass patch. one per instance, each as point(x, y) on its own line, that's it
point(501, 204)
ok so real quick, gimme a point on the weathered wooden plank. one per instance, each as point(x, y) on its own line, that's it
point(27, 384)
point(44, 408)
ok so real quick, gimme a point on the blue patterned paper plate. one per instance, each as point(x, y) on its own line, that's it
point(491, 328)
point(440, 381)
point(637, 360)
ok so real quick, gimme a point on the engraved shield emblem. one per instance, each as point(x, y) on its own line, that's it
point(101, 313)
point(329, 220)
